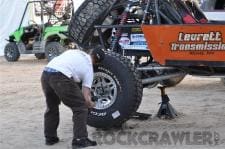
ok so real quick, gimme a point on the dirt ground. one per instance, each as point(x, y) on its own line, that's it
point(199, 101)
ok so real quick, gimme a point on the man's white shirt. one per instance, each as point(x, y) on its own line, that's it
point(76, 64)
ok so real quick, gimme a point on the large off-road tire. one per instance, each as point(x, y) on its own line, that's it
point(118, 89)
point(53, 49)
point(40, 55)
point(11, 52)
point(90, 13)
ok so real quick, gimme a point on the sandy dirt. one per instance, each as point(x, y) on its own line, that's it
point(199, 101)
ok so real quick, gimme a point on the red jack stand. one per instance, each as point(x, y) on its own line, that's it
point(166, 110)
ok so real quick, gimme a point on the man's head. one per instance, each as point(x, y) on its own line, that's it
point(97, 55)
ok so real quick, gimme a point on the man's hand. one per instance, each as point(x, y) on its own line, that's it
point(87, 96)
point(90, 104)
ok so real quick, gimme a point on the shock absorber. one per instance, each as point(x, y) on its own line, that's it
point(124, 17)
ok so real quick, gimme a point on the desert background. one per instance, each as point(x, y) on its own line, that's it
point(199, 101)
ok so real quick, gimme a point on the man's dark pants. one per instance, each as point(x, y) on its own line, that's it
point(57, 87)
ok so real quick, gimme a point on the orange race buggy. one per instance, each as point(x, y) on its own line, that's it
point(147, 42)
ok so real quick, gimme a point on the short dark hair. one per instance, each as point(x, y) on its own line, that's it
point(98, 54)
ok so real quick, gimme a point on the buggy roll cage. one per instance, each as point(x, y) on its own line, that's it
point(42, 12)
point(152, 8)
point(25, 10)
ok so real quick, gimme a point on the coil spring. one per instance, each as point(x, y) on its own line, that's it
point(118, 33)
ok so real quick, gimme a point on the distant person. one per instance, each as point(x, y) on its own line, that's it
point(60, 82)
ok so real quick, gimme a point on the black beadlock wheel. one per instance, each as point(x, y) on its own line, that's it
point(90, 13)
point(53, 49)
point(11, 52)
point(118, 89)
point(40, 55)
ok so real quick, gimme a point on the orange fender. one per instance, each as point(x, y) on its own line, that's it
point(195, 42)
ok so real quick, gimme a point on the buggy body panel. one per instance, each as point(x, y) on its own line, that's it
point(196, 44)
point(55, 30)
point(16, 36)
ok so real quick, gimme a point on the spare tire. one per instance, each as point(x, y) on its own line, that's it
point(90, 13)
point(118, 89)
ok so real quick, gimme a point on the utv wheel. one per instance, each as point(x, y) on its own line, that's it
point(118, 89)
point(40, 55)
point(53, 49)
point(90, 13)
point(11, 52)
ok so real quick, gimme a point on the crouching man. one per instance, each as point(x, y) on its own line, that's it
point(60, 82)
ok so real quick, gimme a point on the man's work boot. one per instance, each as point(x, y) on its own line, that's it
point(82, 143)
point(51, 141)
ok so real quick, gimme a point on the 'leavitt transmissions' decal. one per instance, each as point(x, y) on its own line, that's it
point(194, 42)
point(211, 41)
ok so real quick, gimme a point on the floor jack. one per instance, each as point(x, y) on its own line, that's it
point(166, 110)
